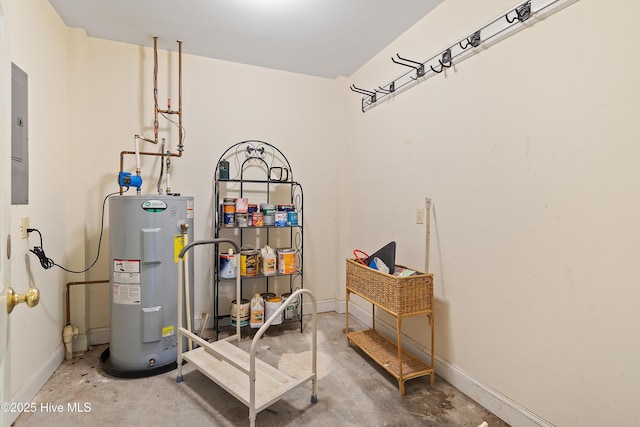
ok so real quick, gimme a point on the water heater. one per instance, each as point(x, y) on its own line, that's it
point(146, 233)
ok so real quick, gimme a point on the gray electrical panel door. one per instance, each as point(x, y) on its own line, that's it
point(19, 137)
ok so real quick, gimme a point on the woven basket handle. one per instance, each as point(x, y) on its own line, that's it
point(361, 256)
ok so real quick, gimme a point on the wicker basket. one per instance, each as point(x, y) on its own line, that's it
point(397, 295)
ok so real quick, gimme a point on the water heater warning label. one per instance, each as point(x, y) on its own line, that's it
point(126, 281)
point(126, 294)
point(126, 265)
point(178, 244)
point(190, 208)
point(168, 338)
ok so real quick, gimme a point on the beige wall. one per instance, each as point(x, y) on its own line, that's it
point(529, 152)
point(35, 334)
point(223, 103)
point(88, 97)
point(5, 199)
point(94, 96)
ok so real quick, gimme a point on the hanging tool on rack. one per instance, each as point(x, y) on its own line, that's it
point(503, 26)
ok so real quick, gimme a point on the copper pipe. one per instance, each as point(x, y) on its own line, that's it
point(144, 138)
point(144, 153)
point(180, 135)
point(155, 89)
point(88, 282)
point(156, 110)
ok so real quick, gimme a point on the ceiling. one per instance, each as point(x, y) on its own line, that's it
point(325, 38)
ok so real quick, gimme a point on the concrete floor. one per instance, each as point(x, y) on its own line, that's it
point(352, 390)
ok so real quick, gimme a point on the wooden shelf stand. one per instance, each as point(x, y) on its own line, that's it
point(401, 297)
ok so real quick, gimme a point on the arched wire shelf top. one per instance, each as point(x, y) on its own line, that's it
point(245, 153)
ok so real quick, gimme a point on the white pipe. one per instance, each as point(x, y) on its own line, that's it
point(69, 333)
point(137, 150)
point(168, 175)
point(263, 329)
point(427, 249)
point(187, 295)
point(181, 271)
point(205, 318)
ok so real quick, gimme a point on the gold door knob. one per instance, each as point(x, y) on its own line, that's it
point(32, 297)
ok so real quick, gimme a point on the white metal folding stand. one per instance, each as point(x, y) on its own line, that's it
point(250, 380)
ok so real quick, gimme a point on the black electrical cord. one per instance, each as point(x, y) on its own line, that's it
point(45, 262)
point(48, 263)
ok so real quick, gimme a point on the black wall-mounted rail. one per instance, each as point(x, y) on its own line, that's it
point(498, 29)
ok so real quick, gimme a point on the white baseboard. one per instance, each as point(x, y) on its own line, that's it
point(494, 401)
point(99, 335)
point(323, 306)
point(81, 343)
point(102, 335)
point(37, 380)
point(94, 336)
point(197, 322)
point(341, 307)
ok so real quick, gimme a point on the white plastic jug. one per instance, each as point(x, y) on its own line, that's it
point(257, 312)
point(268, 265)
point(228, 266)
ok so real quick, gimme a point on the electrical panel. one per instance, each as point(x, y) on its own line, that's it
point(19, 137)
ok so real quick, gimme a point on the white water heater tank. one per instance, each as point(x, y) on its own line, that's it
point(146, 235)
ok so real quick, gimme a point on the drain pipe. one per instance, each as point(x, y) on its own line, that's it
point(70, 332)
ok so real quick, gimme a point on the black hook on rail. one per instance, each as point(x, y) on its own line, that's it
point(473, 40)
point(523, 13)
point(387, 90)
point(418, 66)
point(445, 62)
point(356, 89)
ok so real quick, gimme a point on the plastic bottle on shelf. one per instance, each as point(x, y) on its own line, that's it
point(268, 264)
point(228, 265)
point(257, 311)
